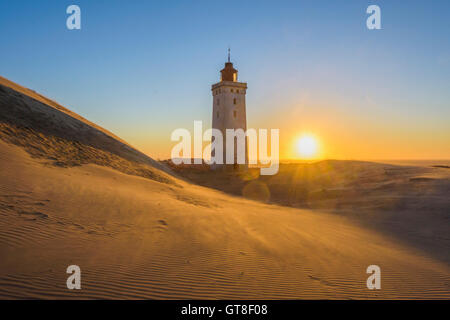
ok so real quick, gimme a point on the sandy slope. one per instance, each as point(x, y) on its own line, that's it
point(25, 93)
point(410, 203)
point(137, 234)
point(137, 238)
point(47, 130)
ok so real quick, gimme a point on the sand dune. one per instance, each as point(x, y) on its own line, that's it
point(47, 130)
point(408, 203)
point(156, 236)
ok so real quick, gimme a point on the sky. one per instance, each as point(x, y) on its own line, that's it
point(142, 69)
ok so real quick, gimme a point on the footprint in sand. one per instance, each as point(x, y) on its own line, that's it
point(162, 225)
point(162, 222)
point(324, 282)
point(34, 214)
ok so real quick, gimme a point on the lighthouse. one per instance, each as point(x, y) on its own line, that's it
point(229, 109)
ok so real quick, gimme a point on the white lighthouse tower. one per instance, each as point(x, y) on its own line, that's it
point(229, 107)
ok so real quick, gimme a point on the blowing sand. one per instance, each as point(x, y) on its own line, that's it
point(143, 236)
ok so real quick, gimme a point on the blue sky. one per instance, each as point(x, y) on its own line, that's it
point(144, 68)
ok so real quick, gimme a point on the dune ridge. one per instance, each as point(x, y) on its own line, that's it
point(47, 130)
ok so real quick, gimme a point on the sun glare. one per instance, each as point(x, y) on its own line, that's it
point(307, 146)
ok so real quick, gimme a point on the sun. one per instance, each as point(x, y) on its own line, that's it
point(307, 146)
